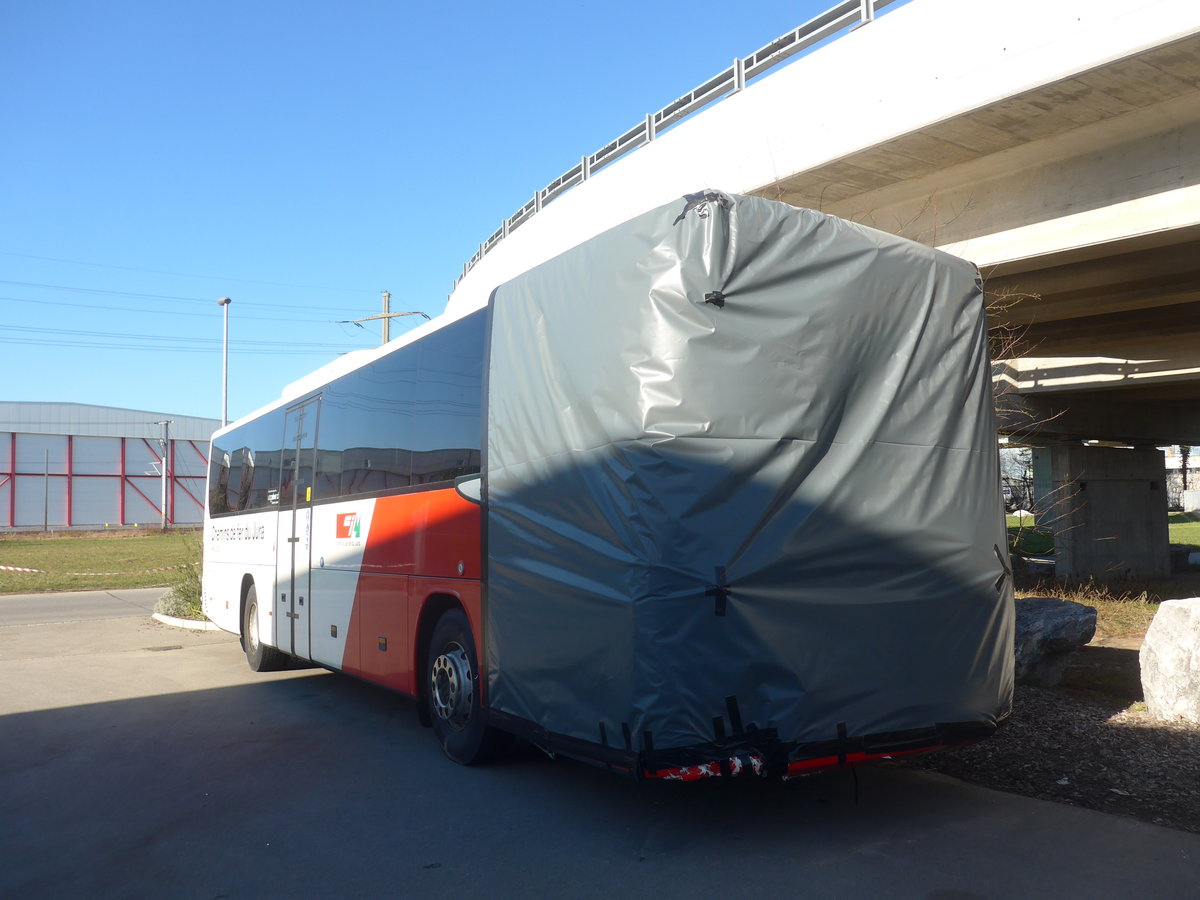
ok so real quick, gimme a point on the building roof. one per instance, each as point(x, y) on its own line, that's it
point(103, 421)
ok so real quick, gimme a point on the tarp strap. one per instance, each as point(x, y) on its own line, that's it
point(842, 732)
point(648, 752)
point(628, 737)
point(604, 742)
point(720, 591)
point(698, 201)
point(1007, 573)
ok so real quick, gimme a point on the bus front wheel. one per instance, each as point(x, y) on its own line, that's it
point(452, 694)
point(260, 657)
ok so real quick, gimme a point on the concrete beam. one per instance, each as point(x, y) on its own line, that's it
point(1097, 416)
point(1071, 150)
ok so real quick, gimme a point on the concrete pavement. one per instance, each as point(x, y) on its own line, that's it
point(138, 760)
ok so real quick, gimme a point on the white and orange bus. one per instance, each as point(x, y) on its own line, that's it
point(335, 532)
point(715, 492)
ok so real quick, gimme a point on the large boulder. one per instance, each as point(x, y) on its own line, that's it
point(1171, 661)
point(1049, 630)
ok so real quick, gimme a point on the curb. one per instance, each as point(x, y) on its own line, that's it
point(193, 624)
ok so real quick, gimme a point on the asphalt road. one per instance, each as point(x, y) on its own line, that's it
point(139, 760)
point(77, 606)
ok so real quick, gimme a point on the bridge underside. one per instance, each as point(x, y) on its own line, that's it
point(1080, 202)
point(1056, 145)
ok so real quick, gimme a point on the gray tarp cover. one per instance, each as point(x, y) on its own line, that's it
point(826, 437)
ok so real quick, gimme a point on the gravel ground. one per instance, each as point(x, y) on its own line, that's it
point(1088, 743)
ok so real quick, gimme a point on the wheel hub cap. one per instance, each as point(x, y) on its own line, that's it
point(452, 688)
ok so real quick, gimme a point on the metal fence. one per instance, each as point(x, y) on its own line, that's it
point(844, 16)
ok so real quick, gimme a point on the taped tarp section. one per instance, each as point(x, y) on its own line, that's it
point(742, 487)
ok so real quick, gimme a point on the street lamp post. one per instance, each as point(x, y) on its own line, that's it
point(225, 301)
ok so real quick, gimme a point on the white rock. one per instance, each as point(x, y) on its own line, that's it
point(1171, 661)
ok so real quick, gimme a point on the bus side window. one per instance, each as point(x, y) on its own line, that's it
point(367, 425)
point(328, 477)
point(218, 481)
point(233, 491)
point(448, 399)
point(265, 483)
point(246, 478)
point(240, 494)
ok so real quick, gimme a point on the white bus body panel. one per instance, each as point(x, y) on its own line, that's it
point(339, 540)
point(234, 547)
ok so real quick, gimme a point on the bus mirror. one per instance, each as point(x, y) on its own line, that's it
point(470, 487)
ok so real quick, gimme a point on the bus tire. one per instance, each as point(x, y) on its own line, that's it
point(452, 694)
point(260, 657)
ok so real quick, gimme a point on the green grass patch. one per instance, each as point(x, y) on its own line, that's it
point(1025, 538)
point(1184, 528)
point(109, 559)
point(1029, 541)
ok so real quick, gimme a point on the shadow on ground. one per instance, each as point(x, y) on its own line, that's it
point(318, 785)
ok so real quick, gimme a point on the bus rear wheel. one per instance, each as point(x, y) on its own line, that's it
point(452, 694)
point(260, 657)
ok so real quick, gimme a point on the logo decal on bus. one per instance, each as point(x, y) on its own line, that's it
point(348, 525)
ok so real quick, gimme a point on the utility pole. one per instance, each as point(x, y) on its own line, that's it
point(164, 443)
point(387, 315)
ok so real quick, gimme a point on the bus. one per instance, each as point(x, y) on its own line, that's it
point(714, 492)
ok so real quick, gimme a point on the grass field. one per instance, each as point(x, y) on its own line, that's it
point(109, 559)
point(1123, 610)
point(1184, 528)
point(1026, 538)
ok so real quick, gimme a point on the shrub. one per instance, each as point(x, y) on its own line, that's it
point(182, 601)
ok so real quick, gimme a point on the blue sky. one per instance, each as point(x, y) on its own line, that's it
point(298, 157)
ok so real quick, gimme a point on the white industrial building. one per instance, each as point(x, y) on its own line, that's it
point(74, 465)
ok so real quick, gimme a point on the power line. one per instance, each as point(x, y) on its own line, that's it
point(101, 345)
point(106, 291)
point(161, 312)
point(84, 290)
point(79, 262)
point(161, 337)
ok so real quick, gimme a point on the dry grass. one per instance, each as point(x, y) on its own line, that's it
point(1123, 618)
point(1117, 614)
point(1121, 610)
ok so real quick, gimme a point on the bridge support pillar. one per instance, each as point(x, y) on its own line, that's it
point(1043, 498)
point(1107, 507)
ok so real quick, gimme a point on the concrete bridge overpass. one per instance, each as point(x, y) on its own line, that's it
point(1055, 144)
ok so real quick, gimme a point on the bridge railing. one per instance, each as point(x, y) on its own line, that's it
point(844, 16)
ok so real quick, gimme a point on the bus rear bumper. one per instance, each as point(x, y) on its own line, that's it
point(758, 754)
